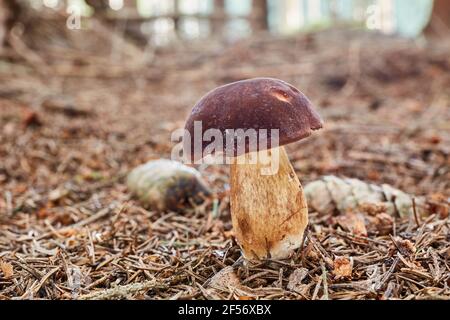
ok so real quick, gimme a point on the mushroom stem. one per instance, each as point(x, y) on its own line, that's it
point(269, 212)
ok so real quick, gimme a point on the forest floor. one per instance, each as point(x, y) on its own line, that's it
point(75, 120)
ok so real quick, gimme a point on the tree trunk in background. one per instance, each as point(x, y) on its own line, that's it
point(9, 13)
point(259, 15)
point(334, 12)
point(217, 25)
point(133, 30)
point(4, 14)
point(130, 30)
point(100, 6)
point(176, 19)
point(439, 24)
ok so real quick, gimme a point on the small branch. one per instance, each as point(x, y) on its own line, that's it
point(325, 283)
point(121, 292)
point(416, 217)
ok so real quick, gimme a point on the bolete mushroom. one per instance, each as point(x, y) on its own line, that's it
point(269, 211)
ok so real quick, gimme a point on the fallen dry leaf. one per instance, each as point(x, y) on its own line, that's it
point(437, 203)
point(310, 253)
point(381, 224)
point(296, 278)
point(353, 222)
point(68, 232)
point(30, 118)
point(7, 269)
point(225, 279)
point(342, 267)
point(404, 246)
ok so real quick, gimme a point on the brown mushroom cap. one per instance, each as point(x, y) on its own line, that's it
point(260, 103)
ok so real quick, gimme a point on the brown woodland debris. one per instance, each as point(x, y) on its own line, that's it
point(390, 128)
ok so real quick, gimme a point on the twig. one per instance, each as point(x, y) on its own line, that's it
point(325, 283)
point(316, 289)
point(416, 217)
point(121, 292)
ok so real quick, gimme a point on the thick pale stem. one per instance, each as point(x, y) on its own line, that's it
point(269, 211)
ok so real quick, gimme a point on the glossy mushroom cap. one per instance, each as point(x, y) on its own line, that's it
point(260, 103)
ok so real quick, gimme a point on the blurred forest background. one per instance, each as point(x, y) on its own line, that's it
point(90, 89)
point(163, 21)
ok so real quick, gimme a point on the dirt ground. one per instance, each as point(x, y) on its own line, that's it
point(74, 120)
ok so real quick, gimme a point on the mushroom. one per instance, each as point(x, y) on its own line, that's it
point(268, 210)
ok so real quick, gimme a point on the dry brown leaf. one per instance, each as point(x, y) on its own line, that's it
point(310, 253)
point(296, 278)
point(153, 258)
point(68, 232)
point(342, 267)
point(381, 224)
point(43, 213)
point(404, 246)
point(225, 279)
point(353, 222)
point(438, 203)
point(246, 298)
point(30, 118)
point(7, 269)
